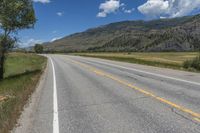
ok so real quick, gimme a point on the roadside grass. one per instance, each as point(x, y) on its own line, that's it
point(193, 64)
point(174, 60)
point(22, 74)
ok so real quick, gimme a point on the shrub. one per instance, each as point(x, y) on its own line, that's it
point(194, 63)
point(39, 48)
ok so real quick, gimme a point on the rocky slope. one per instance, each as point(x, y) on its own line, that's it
point(178, 34)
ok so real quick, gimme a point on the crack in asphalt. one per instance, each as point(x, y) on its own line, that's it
point(173, 110)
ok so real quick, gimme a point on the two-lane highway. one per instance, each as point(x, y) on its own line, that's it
point(88, 95)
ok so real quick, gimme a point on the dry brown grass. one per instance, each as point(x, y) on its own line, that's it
point(173, 60)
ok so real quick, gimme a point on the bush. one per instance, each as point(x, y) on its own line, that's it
point(38, 48)
point(194, 64)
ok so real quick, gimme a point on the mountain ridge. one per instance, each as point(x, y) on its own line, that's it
point(177, 34)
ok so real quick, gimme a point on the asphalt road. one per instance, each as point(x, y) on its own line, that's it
point(87, 95)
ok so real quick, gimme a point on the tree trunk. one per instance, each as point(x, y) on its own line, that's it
point(3, 49)
point(2, 59)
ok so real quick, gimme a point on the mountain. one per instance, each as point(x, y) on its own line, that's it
point(177, 34)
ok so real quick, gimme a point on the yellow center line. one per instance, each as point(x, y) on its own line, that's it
point(101, 73)
point(197, 119)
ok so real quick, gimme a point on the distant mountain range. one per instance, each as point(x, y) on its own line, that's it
point(177, 34)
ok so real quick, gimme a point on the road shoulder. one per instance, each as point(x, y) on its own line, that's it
point(26, 119)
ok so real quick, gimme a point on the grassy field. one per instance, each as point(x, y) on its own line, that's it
point(173, 60)
point(22, 74)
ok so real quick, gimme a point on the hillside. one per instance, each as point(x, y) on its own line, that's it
point(178, 34)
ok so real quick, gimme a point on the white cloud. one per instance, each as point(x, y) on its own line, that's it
point(101, 14)
point(56, 38)
point(128, 10)
point(42, 1)
point(169, 8)
point(109, 6)
point(60, 14)
point(154, 7)
point(30, 42)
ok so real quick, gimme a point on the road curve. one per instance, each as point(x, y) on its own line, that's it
point(89, 95)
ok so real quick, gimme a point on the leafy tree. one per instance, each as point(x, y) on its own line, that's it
point(38, 48)
point(14, 16)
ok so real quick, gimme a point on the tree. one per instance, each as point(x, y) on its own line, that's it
point(14, 16)
point(38, 48)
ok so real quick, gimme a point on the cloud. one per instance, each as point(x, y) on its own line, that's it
point(154, 7)
point(60, 14)
point(128, 10)
point(56, 38)
point(42, 1)
point(169, 8)
point(30, 42)
point(109, 6)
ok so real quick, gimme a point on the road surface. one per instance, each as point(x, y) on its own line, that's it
point(88, 95)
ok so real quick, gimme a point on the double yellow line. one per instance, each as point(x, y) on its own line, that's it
point(194, 115)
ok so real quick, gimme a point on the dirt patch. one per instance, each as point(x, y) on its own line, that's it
point(3, 98)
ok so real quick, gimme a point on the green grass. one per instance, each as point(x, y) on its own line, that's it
point(172, 60)
point(21, 77)
point(193, 63)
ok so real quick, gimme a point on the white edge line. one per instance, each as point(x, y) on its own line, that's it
point(154, 74)
point(55, 102)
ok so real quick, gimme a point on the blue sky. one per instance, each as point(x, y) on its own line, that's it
point(58, 18)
